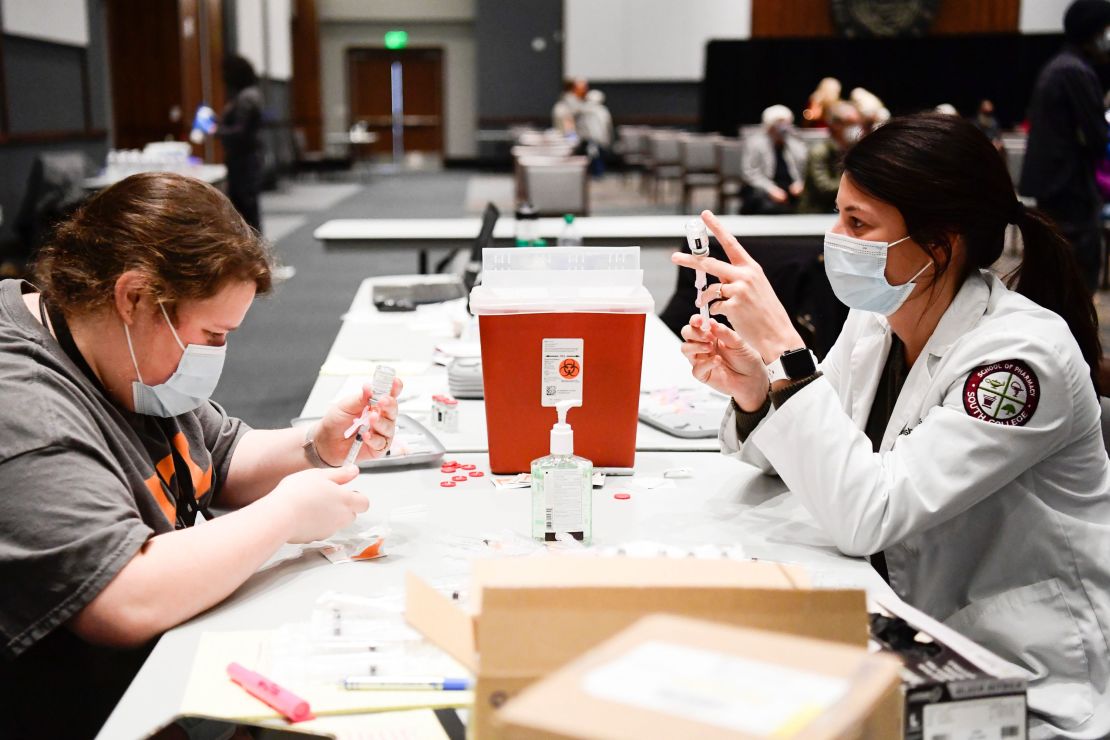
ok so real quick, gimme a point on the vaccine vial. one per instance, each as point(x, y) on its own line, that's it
point(382, 382)
point(697, 237)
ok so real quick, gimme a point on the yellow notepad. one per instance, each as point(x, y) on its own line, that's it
point(211, 693)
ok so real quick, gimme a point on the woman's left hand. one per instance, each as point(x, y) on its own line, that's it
point(333, 446)
point(744, 296)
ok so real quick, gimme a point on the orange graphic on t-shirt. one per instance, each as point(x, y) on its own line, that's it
point(165, 470)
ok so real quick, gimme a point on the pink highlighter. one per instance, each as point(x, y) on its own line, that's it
point(288, 704)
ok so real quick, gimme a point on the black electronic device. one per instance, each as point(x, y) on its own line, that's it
point(185, 726)
point(473, 272)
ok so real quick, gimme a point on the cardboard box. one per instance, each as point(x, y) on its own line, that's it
point(951, 686)
point(530, 616)
point(672, 677)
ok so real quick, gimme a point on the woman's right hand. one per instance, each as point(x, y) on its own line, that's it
point(725, 362)
point(316, 504)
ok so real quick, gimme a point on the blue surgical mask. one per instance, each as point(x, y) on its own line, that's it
point(857, 272)
point(191, 384)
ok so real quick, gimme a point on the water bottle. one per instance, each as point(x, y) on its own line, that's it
point(570, 236)
point(527, 225)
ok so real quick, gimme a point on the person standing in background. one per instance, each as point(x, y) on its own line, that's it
point(986, 122)
point(239, 131)
point(595, 126)
point(564, 114)
point(1067, 134)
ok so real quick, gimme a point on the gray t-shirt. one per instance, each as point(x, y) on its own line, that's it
point(84, 482)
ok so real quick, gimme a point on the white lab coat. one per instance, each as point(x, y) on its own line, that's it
point(1002, 532)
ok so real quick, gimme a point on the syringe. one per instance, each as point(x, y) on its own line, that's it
point(697, 238)
point(381, 385)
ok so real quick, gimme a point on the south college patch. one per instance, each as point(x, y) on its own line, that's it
point(1002, 393)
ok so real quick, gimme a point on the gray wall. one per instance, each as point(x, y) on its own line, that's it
point(43, 82)
point(517, 83)
point(657, 103)
point(514, 80)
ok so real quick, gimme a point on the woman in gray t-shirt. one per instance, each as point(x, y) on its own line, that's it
point(110, 447)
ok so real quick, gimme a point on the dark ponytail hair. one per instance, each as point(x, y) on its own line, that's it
point(945, 177)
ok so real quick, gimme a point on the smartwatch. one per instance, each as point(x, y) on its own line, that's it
point(793, 364)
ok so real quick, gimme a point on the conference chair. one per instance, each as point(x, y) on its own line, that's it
point(55, 188)
point(665, 160)
point(556, 188)
point(630, 147)
point(522, 160)
point(730, 154)
point(699, 166)
point(1014, 147)
point(317, 163)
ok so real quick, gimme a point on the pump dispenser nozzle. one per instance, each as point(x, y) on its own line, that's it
point(562, 436)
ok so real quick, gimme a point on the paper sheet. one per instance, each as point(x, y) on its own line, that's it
point(211, 693)
point(728, 691)
point(420, 724)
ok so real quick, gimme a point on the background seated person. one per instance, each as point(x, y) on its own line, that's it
point(825, 163)
point(774, 164)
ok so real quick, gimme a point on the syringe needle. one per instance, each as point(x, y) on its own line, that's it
point(700, 283)
point(356, 446)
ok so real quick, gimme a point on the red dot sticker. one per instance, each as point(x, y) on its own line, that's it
point(447, 483)
point(447, 469)
point(476, 474)
point(468, 467)
point(452, 463)
point(459, 478)
point(622, 496)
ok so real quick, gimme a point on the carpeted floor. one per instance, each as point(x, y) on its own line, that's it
point(274, 357)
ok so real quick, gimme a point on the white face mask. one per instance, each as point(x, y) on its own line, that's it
point(192, 383)
point(857, 272)
point(1102, 43)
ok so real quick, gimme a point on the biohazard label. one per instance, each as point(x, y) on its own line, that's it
point(1004, 392)
point(561, 375)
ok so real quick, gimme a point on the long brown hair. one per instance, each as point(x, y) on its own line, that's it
point(946, 177)
point(182, 234)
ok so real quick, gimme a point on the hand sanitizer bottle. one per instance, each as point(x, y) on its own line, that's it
point(562, 486)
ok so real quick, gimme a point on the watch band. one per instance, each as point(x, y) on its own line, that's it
point(799, 363)
point(310, 452)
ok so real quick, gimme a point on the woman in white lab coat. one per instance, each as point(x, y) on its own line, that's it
point(953, 432)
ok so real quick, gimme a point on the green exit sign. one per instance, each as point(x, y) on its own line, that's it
point(396, 39)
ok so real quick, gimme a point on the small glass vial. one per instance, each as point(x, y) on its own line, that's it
point(562, 487)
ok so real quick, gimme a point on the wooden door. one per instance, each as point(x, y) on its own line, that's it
point(370, 96)
point(164, 60)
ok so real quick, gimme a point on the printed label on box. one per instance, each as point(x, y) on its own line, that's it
point(714, 688)
point(561, 378)
point(993, 718)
